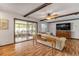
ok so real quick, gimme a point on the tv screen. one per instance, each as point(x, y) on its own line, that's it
point(63, 26)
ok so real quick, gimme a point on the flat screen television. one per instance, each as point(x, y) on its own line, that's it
point(63, 26)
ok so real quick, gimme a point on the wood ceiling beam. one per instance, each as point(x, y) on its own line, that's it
point(37, 9)
point(74, 13)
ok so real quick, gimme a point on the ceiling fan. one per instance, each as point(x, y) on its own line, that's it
point(51, 16)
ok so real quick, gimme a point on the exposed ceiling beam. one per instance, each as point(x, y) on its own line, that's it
point(37, 9)
point(43, 19)
point(74, 13)
point(64, 20)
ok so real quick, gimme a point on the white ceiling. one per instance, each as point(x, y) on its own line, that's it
point(19, 8)
point(24, 8)
point(60, 8)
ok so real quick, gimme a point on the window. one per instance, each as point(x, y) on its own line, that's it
point(44, 27)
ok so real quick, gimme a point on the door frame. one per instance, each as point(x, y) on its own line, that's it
point(26, 21)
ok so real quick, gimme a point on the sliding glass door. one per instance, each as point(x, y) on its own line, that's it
point(24, 30)
point(31, 29)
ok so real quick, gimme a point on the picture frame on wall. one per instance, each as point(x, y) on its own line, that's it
point(4, 24)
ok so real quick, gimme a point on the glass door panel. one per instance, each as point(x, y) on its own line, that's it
point(34, 29)
point(24, 30)
point(20, 31)
point(30, 30)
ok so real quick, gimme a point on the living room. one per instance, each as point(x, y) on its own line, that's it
point(46, 29)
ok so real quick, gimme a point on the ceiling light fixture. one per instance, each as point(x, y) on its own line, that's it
point(51, 16)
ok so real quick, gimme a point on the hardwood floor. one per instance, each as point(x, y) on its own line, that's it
point(27, 49)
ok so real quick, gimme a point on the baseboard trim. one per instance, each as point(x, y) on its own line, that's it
point(22, 41)
point(7, 44)
point(14, 43)
point(74, 38)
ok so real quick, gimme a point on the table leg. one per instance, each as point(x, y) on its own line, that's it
point(33, 42)
point(52, 49)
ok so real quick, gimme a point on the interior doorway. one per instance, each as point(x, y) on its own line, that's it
point(24, 30)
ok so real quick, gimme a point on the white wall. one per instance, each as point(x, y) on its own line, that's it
point(40, 29)
point(7, 36)
point(74, 28)
point(52, 28)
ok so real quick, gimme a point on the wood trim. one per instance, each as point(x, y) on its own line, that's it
point(64, 20)
point(43, 19)
point(24, 20)
point(74, 13)
point(74, 38)
point(14, 30)
point(7, 44)
point(37, 9)
point(16, 43)
point(23, 41)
